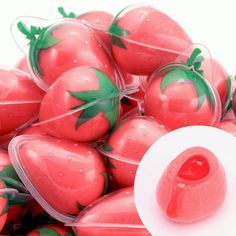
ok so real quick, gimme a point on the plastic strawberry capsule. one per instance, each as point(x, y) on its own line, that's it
point(192, 187)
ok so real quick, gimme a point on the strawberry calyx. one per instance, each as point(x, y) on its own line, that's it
point(117, 32)
point(79, 206)
point(47, 231)
point(106, 182)
point(102, 98)
point(39, 38)
point(191, 72)
point(61, 10)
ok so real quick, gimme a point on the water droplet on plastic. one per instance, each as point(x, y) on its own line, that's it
point(51, 155)
point(145, 133)
point(60, 174)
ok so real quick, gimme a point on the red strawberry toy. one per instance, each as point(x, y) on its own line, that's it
point(82, 86)
point(192, 187)
point(51, 230)
point(64, 45)
point(143, 39)
point(98, 19)
point(127, 145)
point(62, 176)
point(19, 99)
point(178, 95)
point(113, 215)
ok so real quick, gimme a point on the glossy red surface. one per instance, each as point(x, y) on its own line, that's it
point(131, 139)
point(117, 208)
point(17, 87)
point(78, 47)
point(60, 170)
point(192, 187)
point(153, 28)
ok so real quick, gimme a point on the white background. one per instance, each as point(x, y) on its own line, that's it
point(206, 21)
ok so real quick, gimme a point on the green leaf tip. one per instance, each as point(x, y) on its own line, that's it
point(61, 10)
point(105, 100)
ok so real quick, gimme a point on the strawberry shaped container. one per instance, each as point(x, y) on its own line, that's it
point(54, 47)
point(20, 99)
point(98, 19)
point(62, 176)
point(112, 215)
point(178, 94)
point(192, 187)
point(127, 144)
point(144, 39)
point(82, 105)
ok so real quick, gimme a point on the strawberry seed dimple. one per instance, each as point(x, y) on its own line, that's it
point(136, 150)
point(131, 172)
point(69, 158)
point(80, 170)
point(75, 61)
point(86, 42)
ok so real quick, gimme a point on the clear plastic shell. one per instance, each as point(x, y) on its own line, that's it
point(56, 170)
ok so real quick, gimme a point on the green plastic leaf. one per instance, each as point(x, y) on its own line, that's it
point(104, 103)
point(47, 232)
point(108, 163)
point(64, 14)
point(9, 171)
point(107, 147)
point(47, 41)
point(106, 182)
point(117, 41)
point(229, 86)
point(176, 75)
point(117, 30)
point(79, 206)
point(201, 87)
point(87, 114)
point(193, 56)
point(87, 96)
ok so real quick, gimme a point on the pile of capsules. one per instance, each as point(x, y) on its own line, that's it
point(79, 112)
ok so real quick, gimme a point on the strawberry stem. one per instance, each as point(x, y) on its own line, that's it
point(31, 34)
point(61, 10)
